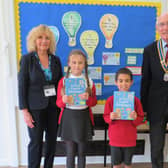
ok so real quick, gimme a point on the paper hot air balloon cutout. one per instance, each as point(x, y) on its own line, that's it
point(89, 40)
point(109, 25)
point(71, 22)
point(55, 30)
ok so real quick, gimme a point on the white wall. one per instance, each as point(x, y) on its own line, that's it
point(13, 137)
point(8, 93)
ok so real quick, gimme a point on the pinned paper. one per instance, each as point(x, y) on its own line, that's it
point(109, 78)
point(109, 25)
point(134, 50)
point(95, 72)
point(131, 60)
point(98, 89)
point(71, 22)
point(136, 70)
point(111, 58)
point(89, 40)
point(56, 33)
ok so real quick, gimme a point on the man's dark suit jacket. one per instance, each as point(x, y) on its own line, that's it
point(32, 80)
point(154, 90)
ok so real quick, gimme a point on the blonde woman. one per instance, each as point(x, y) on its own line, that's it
point(40, 71)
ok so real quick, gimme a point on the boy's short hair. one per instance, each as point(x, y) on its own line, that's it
point(123, 71)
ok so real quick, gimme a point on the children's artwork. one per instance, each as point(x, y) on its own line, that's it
point(89, 40)
point(71, 22)
point(131, 60)
point(136, 70)
point(98, 89)
point(115, 26)
point(111, 58)
point(55, 30)
point(109, 78)
point(109, 25)
point(95, 72)
point(65, 70)
point(74, 87)
point(123, 104)
point(134, 50)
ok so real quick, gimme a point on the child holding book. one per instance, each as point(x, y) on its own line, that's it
point(76, 121)
point(122, 133)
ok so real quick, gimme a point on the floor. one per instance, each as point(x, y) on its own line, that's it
point(137, 165)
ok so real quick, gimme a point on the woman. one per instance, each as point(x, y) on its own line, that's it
point(39, 74)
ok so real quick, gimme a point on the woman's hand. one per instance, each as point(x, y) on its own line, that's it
point(84, 96)
point(28, 118)
point(133, 115)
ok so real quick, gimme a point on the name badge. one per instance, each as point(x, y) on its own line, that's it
point(49, 90)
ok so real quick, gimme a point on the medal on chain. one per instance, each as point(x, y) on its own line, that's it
point(162, 60)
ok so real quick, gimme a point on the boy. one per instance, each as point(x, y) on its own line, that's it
point(122, 133)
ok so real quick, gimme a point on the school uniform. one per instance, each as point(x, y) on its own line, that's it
point(122, 133)
point(78, 118)
point(76, 125)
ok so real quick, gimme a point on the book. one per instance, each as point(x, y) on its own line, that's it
point(74, 87)
point(124, 104)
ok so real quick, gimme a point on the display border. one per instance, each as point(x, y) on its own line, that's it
point(157, 5)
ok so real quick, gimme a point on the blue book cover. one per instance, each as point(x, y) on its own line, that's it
point(124, 104)
point(75, 87)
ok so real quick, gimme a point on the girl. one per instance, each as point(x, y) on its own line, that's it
point(122, 133)
point(76, 122)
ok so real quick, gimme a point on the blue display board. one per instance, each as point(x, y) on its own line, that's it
point(136, 29)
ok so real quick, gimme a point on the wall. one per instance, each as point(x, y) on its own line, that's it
point(13, 137)
point(8, 91)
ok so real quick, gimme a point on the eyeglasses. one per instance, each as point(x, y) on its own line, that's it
point(162, 24)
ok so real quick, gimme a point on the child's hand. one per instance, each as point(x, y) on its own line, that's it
point(68, 99)
point(133, 115)
point(114, 115)
point(84, 96)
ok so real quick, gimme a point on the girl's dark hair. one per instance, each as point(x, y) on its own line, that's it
point(79, 52)
point(123, 71)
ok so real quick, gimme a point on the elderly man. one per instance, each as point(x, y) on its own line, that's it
point(154, 90)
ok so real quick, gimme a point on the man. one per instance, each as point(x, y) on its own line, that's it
point(154, 90)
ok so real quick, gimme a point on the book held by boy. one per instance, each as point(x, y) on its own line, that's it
point(74, 87)
point(123, 104)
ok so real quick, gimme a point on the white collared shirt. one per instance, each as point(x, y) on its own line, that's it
point(164, 47)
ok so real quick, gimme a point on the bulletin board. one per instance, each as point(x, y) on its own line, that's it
point(131, 24)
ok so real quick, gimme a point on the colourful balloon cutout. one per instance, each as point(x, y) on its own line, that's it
point(71, 22)
point(55, 30)
point(109, 25)
point(89, 41)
